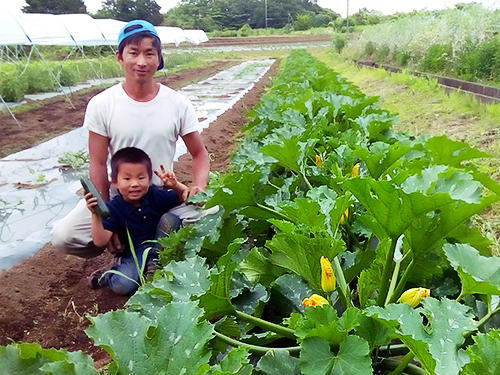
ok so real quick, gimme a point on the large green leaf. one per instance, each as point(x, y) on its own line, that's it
point(190, 278)
point(185, 279)
point(276, 362)
point(391, 207)
point(301, 254)
point(240, 190)
point(379, 159)
point(289, 153)
point(217, 300)
point(353, 357)
point(374, 332)
point(258, 268)
point(484, 355)
point(479, 274)
point(290, 290)
point(437, 343)
point(78, 363)
point(323, 322)
point(427, 230)
point(173, 343)
point(445, 151)
point(306, 212)
point(32, 359)
point(234, 363)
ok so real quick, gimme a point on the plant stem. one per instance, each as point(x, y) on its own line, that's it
point(393, 282)
point(260, 350)
point(404, 362)
point(343, 288)
point(393, 350)
point(306, 181)
point(482, 322)
point(273, 212)
point(384, 286)
point(280, 330)
point(392, 364)
point(402, 282)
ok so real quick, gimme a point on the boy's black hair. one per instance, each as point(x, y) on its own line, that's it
point(131, 155)
point(136, 38)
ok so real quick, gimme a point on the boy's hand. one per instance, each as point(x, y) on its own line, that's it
point(91, 202)
point(114, 245)
point(167, 177)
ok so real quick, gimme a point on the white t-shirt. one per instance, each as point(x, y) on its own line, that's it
point(152, 126)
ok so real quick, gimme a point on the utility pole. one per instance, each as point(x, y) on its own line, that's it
point(265, 12)
point(347, 19)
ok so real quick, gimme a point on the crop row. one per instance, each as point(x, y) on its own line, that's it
point(325, 219)
point(23, 77)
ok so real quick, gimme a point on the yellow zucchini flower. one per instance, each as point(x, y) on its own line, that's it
point(315, 300)
point(319, 163)
point(345, 217)
point(327, 276)
point(414, 296)
point(355, 170)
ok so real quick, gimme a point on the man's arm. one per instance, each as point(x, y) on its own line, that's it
point(201, 164)
point(98, 155)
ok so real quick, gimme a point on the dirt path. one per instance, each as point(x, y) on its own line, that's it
point(45, 298)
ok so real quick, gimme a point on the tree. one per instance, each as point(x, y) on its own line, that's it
point(128, 10)
point(55, 6)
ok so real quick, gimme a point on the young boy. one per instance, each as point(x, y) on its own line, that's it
point(139, 210)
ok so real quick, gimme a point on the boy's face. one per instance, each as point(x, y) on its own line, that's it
point(140, 60)
point(132, 180)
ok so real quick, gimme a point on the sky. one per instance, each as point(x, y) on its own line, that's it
point(340, 6)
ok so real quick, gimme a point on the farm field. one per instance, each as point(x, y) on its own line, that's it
point(46, 297)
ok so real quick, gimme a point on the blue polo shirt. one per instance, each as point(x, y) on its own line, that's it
point(141, 221)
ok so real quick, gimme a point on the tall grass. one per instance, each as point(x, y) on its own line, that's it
point(438, 41)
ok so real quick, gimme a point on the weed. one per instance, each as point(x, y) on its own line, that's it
point(74, 159)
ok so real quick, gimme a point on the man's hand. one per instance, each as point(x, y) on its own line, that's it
point(195, 190)
point(114, 245)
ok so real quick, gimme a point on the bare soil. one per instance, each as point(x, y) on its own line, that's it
point(45, 298)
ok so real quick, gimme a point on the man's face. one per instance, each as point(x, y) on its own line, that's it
point(139, 61)
point(132, 180)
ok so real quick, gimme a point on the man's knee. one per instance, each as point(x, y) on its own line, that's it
point(59, 237)
point(64, 241)
point(169, 223)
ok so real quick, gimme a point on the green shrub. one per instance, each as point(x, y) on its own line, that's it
point(303, 22)
point(479, 61)
point(370, 49)
point(437, 59)
point(321, 20)
point(245, 30)
point(12, 86)
point(339, 41)
point(39, 78)
point(401, 58)
point(382, 54)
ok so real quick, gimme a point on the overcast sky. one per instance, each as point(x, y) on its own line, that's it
point(340, 6)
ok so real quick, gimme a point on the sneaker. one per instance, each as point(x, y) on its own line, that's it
point(96, 279)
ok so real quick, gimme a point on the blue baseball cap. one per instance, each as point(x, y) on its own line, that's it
point(138, 26)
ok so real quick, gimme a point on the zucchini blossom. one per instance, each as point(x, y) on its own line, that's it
point(414, 296)
point(327, 276)
point(315, 300)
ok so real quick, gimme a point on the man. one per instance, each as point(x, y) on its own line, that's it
point(136, 113)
